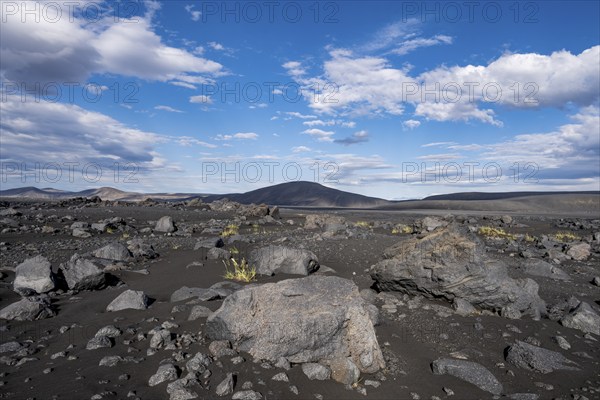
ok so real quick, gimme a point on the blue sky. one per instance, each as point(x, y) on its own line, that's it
point(389, 99)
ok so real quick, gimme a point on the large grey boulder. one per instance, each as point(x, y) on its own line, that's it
point(33, 276)
point(113, 251)
point(451, 263)
point(141, 249)
point(11, 347)
point(316, 371)
point(226, 386)
point(165, 224)
point(81, 233)
point(270, 260)
point(99, 342)
point(344, 370)
point(129, 299)
point(247, 395)
point(27, 309)
point(198, 364)
point(538, 359)
point(579, 251)
point(209, 243)
point(323, 221)
point(199, 312)
point(165, 372)
point(82, 274)
point(584, 318)
point(430, 224)
point(253, 210)
point(469, 371)
point(312, 319)
point(185, 293)
point(537, 267)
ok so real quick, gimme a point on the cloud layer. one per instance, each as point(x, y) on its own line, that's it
point(371, 85)
point(71, 49)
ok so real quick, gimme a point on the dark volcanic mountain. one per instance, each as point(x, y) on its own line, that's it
point(305, 194)
point(309, 194)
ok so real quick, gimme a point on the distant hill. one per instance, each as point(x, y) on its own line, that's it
point(540, 203)
point(105, 193)
point(497, 196)
point(302, 194)
point(305, 194)
point(309, 194)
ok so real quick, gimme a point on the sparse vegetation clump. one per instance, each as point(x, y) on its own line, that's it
point(239, 271)
point(406, 229)
point(491, 232)
point(566, 237)
point(528, 238)
point(362, 224)
point(230, 230)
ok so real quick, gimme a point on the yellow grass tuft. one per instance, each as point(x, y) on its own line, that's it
point(402, 229)
point(362, 224)
point(566, 237)
point(490, 231)
point(239, 271)
point(230, 230)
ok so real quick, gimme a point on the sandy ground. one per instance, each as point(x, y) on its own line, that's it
point(411, 338)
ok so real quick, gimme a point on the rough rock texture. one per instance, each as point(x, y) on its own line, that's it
point(226, 386)
point(199, 312)
point(140, 249)
point(344, 370)
point(33, 275)
point(246, 395)
point(209, 243)
point(82, 274)
point(99, 342)
point(198, 363)
point(527, 356)
point(584, 318)
point(221, 348)
point(469, 371)
point(185, 293)
point(253, 210)
point(166, 372)
point(537, 267)
point(275, 213)
point(430, 224)
point(463, 307)
point(316, 371)
point(113, 251)
point(304, 320)
point(27, 309)
point(81, 233)
point(321, 221)
point(451, 263)
point(10, 347)
point(217, 253)
point(579, 252)
point(165, 224)
point(282, 259)
point(129, 299)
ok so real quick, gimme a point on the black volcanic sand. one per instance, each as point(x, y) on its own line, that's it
point(411, 338)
